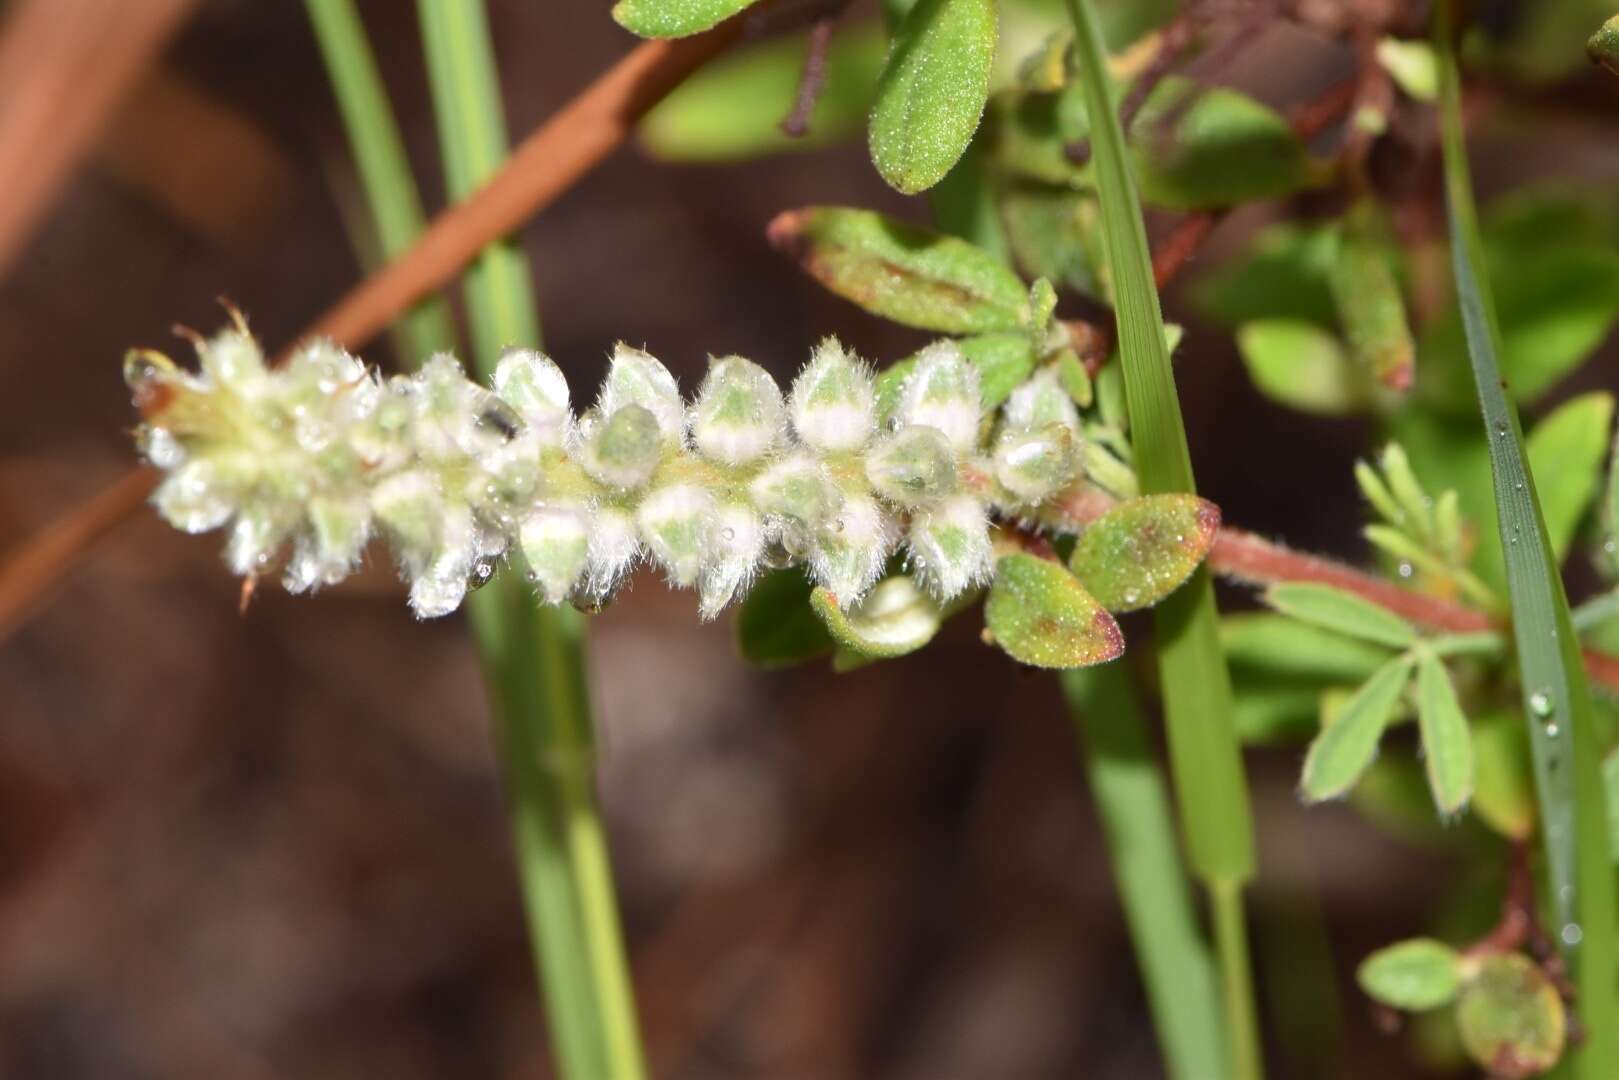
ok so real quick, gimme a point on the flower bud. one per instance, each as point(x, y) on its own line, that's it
point(942, 392)
point(738, 544)
point(532, 384)
point(195, 498)
point(739, 413)
point(798, 496)
point(622, 451)
point(912, 467)
point(556, 544)
point(675, 521)
point(612, 550)
point(258, 532)
point(950, 546)
point(850, 549)
point(233, 360)
point(636, 378)
point(833, 400)
point(1033, 463)
point(438, 588)
point(328, 552)
point(1041, 400)
point(408, 504)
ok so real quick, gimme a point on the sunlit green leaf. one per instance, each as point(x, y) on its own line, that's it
point(1412, 975)
point(1144, 549)
point(1041, 615)
point(1348, 744)
point(1346, 613)
point(1412, 66)
point(1511, 1017)
point(1447, 745)
point(776, 627)
point(732, 108)
point(1302, 366)
point(1566, 454)
point(932, 91)
point(895, 618)
point(902, 272)
point(674, 18)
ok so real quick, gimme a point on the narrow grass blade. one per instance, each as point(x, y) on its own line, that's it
point(1133, 803)
point(1204, 754)
point(1557, 699)
point(534, 657)
point(379, 157)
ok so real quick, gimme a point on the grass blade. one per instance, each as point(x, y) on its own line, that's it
point(1557, 699)
point(1204, 755)
point(1131, 798)
point(534, 657)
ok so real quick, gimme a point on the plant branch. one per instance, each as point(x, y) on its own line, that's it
point(545, 165)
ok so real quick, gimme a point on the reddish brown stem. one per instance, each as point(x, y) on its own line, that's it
point(812, 81)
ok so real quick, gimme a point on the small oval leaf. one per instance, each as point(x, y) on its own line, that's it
point(1222, 149)
point(674, 18)
point(1412, 975)
point(1334, 609)
point(900, 272)
point(1144, 549)
point(1447, 744)
point(1041, 615)
point(776, 627)
point(1511, 1018)
point(1303, 366)
point(896, 617)
point(1348, 744)
point(932, 91)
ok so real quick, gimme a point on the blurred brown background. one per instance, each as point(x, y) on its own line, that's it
point(274, 846)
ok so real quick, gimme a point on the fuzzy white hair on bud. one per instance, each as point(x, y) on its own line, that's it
point(439, 587)
point(736, 548)
point(834, 403)
point(950, 546)
point(1035, 463)
point(851, 547)
point(613, 548)
point(409, 505)
point(912, 466)
point(636, 377)
point(797, 497)
point(942, 392)
point(739, 415)
point(233, 360)
point(194, 498)
point(676, 523)
point(556, 545)
point(621, 449)
point(530, 382)
point(328, 552)
point(1041, 400)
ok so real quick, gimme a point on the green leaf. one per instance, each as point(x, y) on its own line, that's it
point(731, 109)
point(1222, 150)
point(1216, 815)
point(1300, 365)
point(1566, 452)
point(1504, 790)
point(1053, 234)
point(1344, 612)
point(895, 618)
point(1268, 711)
point(776, 627)
point(1348, 744)
point(900, 272)
point(1511, 1018)
point(1144, 549)
point(674, 18)
point(1412, 65)
point(1560, 717)
point(1283, 275)
point(1041, 615)
point(1413, 975)
point(1276, 643)
point(1447, 744)
point(1371, 309)
point(1610, 784)
point(932, 91)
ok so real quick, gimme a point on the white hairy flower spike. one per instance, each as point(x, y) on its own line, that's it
point(636, 377)
point(834, 403)
point(942, 392)
point(319, 457)
point(739, 415)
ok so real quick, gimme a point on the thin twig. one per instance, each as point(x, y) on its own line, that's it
point(545, 165)
point(813, 80)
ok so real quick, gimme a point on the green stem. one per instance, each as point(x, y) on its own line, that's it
point(1205, 757)
point(1133, 803)
point(379, 157)
point(548, 725)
